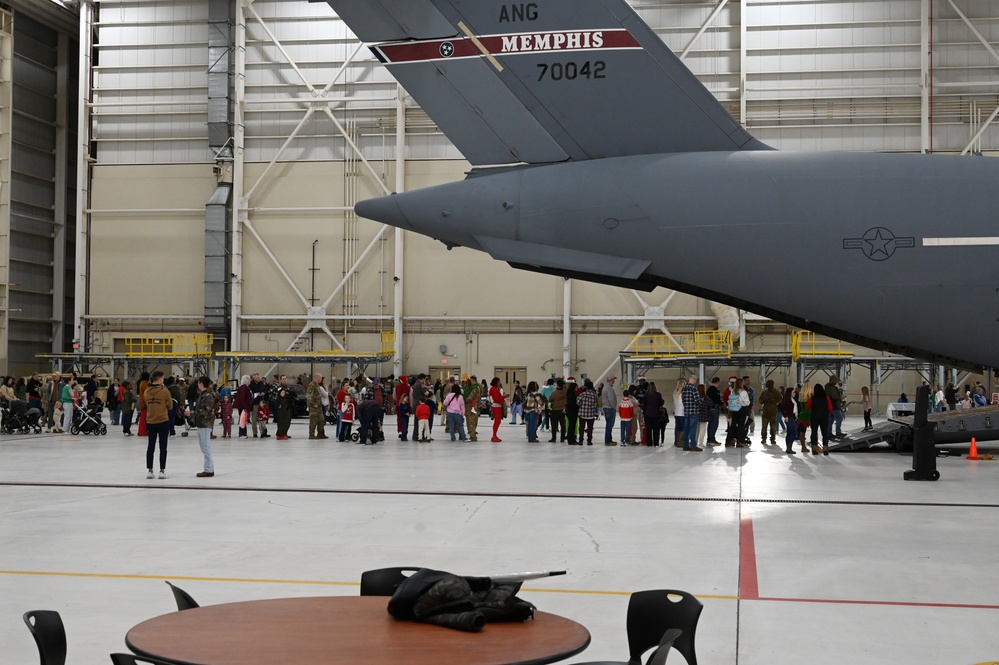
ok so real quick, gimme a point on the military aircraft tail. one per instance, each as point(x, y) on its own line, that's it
point(546, 81)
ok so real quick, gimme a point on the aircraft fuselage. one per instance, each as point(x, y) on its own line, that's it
point(885, 250)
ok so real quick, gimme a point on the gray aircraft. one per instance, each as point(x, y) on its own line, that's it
point(598, 155)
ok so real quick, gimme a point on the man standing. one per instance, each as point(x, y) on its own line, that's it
point(53, 391)
point(835, 396)
point(204, 420)
point(608, 400)
point(317, 424)
point(416, 398)
point(285, 408)
point(401, 388)
point(472, 394)
point(714, 395)
point(558, 400)
point(769, 401)
point(691, 399)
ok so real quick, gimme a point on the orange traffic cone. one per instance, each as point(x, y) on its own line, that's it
point(974, 451)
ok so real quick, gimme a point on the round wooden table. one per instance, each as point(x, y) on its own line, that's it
point(355, 630)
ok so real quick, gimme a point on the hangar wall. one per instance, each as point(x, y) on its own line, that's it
point(833, 75)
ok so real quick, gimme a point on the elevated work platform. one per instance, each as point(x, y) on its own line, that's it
point(194, 355)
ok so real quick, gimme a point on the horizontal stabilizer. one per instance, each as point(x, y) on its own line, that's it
point(544, 82)
point(560, 258)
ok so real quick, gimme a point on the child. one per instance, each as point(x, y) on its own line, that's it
point(346, 418)
point(127, 407)
point(227, 416)
point(402, 413)
point(626, 412)
point(57, 418)
point(263, 415)
point(423, 415)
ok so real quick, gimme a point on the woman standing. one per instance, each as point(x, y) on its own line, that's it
point(243, 403)
point(21, 389)
point(7, 390)
point(113, 401)
point(496, 401)
point(533, 402)
point(789, 410)
point(821, 407)
point(653, 402)
point(738, 406)
point(324, 397)
point(454, 408)
point(704, 416)
point(679, 417)
point(804, 413)
point(865, 400)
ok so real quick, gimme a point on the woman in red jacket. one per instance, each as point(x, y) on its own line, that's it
point(497, 398)
point(243, 403)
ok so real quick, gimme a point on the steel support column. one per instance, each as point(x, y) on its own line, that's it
point(82, 273)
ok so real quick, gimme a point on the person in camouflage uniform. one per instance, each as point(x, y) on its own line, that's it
point(204, 420)
point(472, 393)
point(317, 424)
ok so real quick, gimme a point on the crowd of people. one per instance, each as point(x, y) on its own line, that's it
point(565, 409)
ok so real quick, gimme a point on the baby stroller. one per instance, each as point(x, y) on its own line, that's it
point(87, 419)
point(17, 418)
point(332, 417)
point(183, 420)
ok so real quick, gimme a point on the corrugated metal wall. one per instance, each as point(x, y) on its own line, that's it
point(830, 75)
point(42, 191)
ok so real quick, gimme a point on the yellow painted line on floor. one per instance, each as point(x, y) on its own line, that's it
point(249, 580)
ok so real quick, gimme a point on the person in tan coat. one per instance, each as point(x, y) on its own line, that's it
point(159, 404)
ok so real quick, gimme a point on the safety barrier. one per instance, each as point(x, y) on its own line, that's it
point(181, 345)
point(702, 343)
point(808, 344)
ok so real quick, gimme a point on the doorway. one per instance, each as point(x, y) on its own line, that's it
point(510, 374)
point(443, 372)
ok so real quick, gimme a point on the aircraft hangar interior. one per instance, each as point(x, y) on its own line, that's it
point(788, 190)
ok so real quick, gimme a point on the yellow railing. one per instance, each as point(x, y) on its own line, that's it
point(808, 344)
point(701, 343)
point(388, 343)
point(183, 345)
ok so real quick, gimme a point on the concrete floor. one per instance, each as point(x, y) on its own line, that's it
point(798, 560)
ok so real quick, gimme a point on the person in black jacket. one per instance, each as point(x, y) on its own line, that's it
point(370, 413)
point(653, 412)
point(821, 408)
point(714, 395)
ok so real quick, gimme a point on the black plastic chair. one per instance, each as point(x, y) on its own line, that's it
point(50, 635)
point(658, 656)
point(651, 614)
point(183, 598)
point(384, 581)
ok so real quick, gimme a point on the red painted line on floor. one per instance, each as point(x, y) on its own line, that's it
point(889, 603)
point(749, 583)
